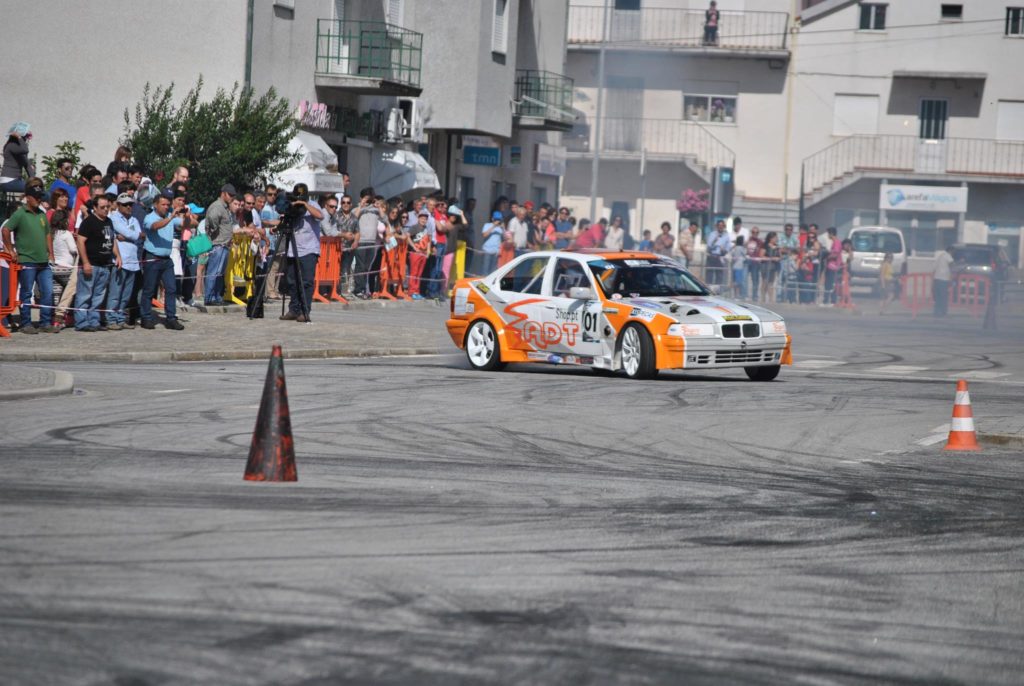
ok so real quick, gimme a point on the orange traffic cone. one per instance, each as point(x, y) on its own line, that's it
point(961, 429)
point(272, 453)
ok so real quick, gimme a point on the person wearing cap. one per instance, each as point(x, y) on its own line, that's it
point(98, 256)
point(220, 223)
point(304, 249)
point(491, 245)
point(157, 268)
point(128, 232)
point(17, 164)
point(32, 248)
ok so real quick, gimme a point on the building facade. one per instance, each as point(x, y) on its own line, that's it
point(470, 92)
point(816, 105)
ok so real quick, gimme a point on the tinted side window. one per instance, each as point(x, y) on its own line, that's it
point(526, 277)
point(568, 274)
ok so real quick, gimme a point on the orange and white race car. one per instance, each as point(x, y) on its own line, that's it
point(630, 311)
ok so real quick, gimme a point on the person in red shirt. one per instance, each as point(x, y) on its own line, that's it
point(590, 236)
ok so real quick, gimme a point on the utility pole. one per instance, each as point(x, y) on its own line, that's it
point(595, 164)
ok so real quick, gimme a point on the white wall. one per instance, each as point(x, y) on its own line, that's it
point(72, 68)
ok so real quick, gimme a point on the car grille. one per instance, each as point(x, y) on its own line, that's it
point(742, 356)
point(741, 331)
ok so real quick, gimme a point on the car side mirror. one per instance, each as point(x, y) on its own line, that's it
point(715, 288)
point(581, 293)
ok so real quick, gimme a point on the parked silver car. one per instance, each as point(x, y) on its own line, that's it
point(870, 244)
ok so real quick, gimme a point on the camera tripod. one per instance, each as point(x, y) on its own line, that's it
point(285, 243)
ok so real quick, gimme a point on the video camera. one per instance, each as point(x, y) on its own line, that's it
point(293, 214)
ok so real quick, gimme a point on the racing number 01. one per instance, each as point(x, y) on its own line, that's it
point(590, 322)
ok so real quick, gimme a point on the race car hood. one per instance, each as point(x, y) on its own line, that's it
point(708, 308)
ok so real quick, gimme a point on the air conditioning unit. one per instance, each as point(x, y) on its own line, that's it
point(412, 115)
point(396, 126)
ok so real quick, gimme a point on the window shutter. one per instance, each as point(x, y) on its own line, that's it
point(394, 12)
point(499, 39)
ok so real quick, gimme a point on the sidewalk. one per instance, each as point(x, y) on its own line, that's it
point(358, 330)
point(18, 382)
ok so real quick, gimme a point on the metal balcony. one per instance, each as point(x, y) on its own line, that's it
point(543, 100)
point(368, 57)
point(849, 159)
point(658, 139)
point(740, 34)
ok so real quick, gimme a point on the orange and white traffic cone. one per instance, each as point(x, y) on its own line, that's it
point(961, 429)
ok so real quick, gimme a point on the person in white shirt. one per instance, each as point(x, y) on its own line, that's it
point(520, 228)
point(616, 235)
point(940, 281)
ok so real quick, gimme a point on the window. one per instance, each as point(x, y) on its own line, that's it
point(1015, 21)
point(711, 108)
point(499, 36)
point(933, 120)
point(1010, 120)
point(525, 277)
point(855, 114)
point(627, 4)
point(569, 274)
point(952, 12)
point(872, 17)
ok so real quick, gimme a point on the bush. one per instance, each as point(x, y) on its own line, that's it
point(71, 150)
point(236, 137)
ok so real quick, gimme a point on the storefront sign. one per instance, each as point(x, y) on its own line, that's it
point(481, 150)
point(317, 115)
point(923, 198)
point(513, 156)
point(550, 159)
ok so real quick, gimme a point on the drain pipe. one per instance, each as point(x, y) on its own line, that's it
point(249, 11)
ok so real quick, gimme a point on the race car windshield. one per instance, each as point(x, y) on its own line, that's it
point(639, 278)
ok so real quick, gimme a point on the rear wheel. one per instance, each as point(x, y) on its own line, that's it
point(636, 350)
point(482, 348)
point(762, 373)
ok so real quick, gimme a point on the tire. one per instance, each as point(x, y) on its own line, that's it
point(762, 373)
point(636, 352)
point(482, 347)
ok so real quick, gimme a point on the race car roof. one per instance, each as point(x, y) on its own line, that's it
point(599, 254)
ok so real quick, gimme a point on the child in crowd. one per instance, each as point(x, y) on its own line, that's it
point(738, 258)
point(646, 245)
point(789, 275)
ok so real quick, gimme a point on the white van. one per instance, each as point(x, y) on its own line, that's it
point(870, 244)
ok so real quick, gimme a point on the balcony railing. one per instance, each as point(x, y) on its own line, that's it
point(369, 49)
point(678, 28)
point(908, 154)
point(659, 138)
point(544, 95)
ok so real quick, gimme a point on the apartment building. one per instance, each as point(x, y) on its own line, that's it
point(846, 113)
point(412, 95)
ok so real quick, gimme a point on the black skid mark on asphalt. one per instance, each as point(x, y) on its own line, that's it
point(560, 618)
point(271, 637)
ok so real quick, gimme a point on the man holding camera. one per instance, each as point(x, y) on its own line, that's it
point(160, 226)
point(220, 222)
point(303, 220)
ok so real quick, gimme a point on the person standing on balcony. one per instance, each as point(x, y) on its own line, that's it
point(711, 24)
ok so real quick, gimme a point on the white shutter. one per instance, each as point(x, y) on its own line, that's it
point(854, 114)
point(499, 38)
point(394, 10)
point(1010, 120)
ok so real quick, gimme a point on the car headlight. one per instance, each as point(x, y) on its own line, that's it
point(691, 330)
point(778, 327)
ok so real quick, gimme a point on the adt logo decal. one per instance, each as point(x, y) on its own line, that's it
point(895, 196)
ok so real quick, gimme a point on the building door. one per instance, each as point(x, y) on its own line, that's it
point(623, 114)
point(931, 146)
point(933, 119)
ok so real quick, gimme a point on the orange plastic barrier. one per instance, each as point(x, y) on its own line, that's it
point(12, 291)
point(916, 292)
point(328, 269)
point(392, 273)
point(971, 291)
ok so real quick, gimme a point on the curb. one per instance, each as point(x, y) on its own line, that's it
point(354, 304)
point(63, 384)
point(214, 355)
point(1001, 439)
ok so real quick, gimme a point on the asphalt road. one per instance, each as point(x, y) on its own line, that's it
point(542, 525)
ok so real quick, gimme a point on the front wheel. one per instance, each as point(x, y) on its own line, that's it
point(637, 352)
point(482, 348)
point(762, 373)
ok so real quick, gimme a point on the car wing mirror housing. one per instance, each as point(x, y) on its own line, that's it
point(581, 293)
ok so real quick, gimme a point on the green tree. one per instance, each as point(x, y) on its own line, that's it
point(235, 137)
point(71, 150)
